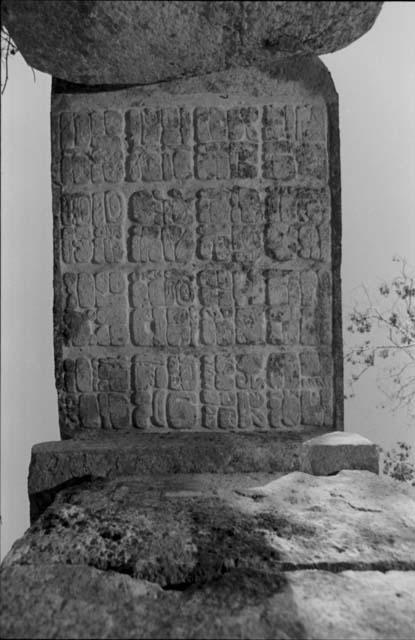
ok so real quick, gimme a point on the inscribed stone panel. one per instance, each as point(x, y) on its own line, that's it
point(195, 256)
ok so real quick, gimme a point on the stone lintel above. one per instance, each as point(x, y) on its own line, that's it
point(104, 42)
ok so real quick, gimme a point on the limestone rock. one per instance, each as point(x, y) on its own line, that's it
point(368, 605)
point(205, 556)
point(55, 465)
point(190, 528)
point(72, 601)
point(93, 42)
point(332, 452)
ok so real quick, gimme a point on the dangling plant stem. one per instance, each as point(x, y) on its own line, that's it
point(8, 48)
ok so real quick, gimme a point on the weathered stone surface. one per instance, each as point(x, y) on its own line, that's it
point(56, 601)
point(332, 452)
point(352, 605)
point(141, 42)
point(56, 464)
point(352, 519)
point(204, 556)
point(197, 253)
point(189, 528)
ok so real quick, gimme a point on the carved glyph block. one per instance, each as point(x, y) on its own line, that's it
point(197, 255)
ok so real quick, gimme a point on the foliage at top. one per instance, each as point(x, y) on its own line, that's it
point(8, 48)
point(385, 328)
point(399, 463)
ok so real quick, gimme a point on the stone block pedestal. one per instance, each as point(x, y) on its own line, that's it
point(56, 465)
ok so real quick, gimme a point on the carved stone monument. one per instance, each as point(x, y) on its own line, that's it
point(197, 253)
point(198, 337)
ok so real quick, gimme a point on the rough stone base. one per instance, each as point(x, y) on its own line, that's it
point(188, 528)
point(55, 465)
point(55, 601)
point(217, 556)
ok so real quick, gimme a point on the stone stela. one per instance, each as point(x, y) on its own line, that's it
point(203, 485)
point(193, 260)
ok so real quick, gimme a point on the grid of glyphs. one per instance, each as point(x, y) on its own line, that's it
point(195, 260)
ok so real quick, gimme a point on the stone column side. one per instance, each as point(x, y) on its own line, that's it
point(197, 240)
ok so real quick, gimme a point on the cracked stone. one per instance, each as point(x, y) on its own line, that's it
point(72, 601)
point(190, 529)
point(217, 555)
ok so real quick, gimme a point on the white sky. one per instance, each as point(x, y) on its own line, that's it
point(375, 79)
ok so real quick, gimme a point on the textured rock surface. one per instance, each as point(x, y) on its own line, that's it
point(141, 42)
point(332, 452)
point(197, 253)
point(186, 528)
point(55, 601)
point(56, 464)
point(205, 556)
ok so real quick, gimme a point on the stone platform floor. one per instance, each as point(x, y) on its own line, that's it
point(240, 555)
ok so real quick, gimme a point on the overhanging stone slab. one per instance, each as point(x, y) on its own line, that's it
point(197, 253)
point(142, 42)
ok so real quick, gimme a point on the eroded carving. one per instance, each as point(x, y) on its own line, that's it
point(195, 250)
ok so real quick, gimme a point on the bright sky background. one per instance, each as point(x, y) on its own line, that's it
point(375, 79)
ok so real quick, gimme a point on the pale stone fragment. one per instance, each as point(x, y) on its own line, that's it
point(338, 450)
